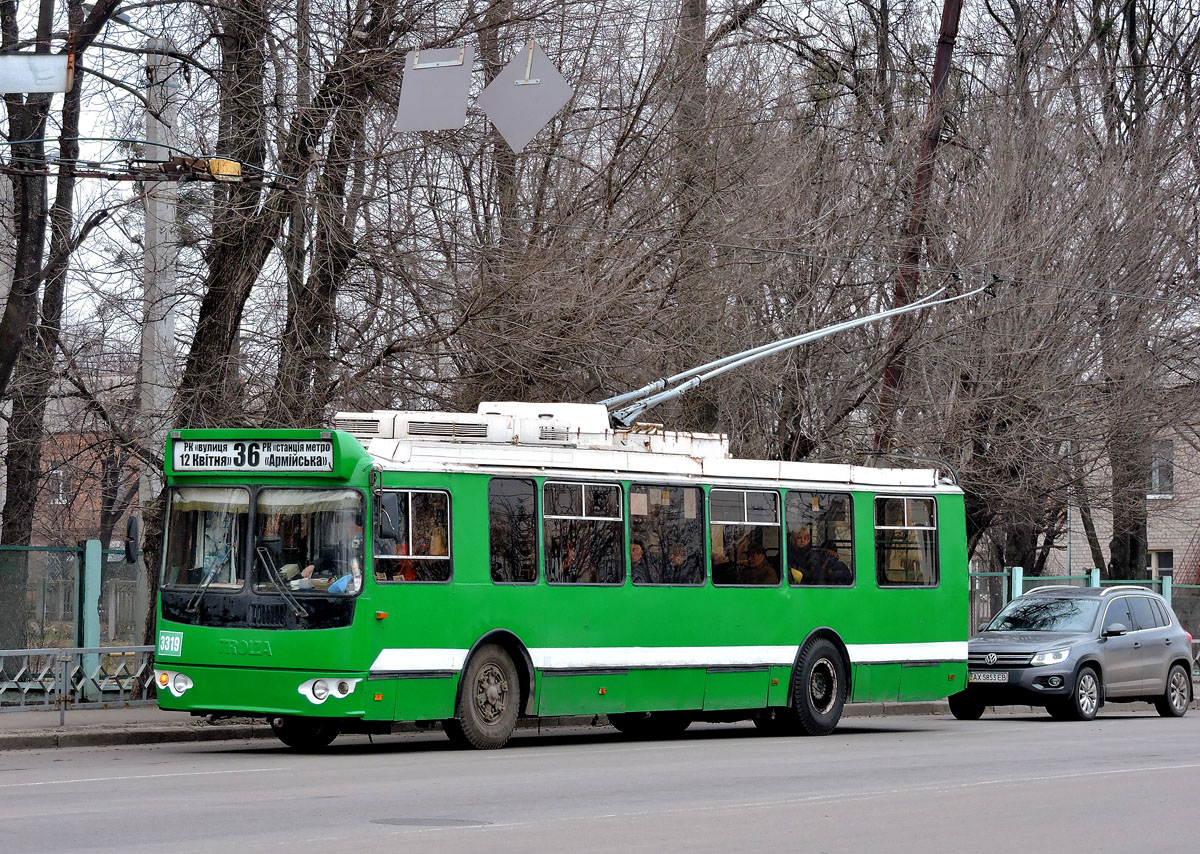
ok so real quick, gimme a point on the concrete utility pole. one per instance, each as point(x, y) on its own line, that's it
point(162, 245)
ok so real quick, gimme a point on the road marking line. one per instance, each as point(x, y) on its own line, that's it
point(134, 777)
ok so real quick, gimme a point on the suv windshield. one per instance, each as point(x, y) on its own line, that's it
point(308, 540)
point(1043, 614)
point(206, 530)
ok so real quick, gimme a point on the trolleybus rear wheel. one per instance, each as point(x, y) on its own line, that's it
point(304, 733)
point(488, 700)
point(819, 687)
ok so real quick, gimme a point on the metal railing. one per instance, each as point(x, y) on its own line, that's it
point(76, 677)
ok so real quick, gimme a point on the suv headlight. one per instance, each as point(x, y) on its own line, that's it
point(1050, 656)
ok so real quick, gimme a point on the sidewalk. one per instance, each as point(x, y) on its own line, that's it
point(39, 730)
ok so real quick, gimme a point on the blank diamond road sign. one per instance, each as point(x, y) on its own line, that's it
point(524, 96)
point(433, 94)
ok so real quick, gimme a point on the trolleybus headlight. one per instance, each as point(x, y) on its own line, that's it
point(1050, 656)
point(317, 691)
point(173, 681)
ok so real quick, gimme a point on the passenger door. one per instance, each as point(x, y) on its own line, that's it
point(1122, 654)
point(1155, 637)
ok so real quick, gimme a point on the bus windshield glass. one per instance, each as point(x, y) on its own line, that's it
point(308, 541)
point(1046, 615)
point(206, 533)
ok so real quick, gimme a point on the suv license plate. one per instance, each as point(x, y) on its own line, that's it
point(987, 676)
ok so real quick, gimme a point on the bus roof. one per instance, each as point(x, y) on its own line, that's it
point(572, 437)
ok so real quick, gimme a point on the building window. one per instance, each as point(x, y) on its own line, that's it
point(56, 487)
point(1158, 561)
point(1162, 470)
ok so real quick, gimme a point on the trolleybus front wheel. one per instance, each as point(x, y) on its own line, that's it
point(304, 733)
point(489, 698)
point(819, 687)
point(651, 724)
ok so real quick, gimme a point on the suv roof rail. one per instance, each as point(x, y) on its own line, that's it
point(1046, 587)
point(1117, 588)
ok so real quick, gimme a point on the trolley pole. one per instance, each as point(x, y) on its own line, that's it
point(161, 248)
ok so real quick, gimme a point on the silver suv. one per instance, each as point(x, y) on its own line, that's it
point(1073, 649)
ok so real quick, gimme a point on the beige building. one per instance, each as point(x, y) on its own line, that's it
point(1172, 511)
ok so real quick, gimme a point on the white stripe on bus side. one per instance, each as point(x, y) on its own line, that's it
point(575, 658)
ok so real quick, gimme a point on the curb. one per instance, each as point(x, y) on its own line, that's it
point(193, 731)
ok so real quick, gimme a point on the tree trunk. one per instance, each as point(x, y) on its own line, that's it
point(915, 228)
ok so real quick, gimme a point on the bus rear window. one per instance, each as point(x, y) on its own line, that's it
point(906, 542)
point(206, 537)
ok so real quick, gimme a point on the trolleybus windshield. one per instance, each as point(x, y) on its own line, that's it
point(308, 539)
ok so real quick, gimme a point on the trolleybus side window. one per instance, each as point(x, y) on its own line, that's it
point(906, 542)
point(512, 530)
point(666, 534)
point(309, 539)
point(820, 539)
point(421, 550)
point(207, 527)
point(745, 536)
point(584, 533)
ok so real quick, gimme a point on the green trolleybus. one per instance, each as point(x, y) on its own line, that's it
point(530, 560)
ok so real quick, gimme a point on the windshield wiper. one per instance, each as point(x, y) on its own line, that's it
point(264, 555)
point(193, 604)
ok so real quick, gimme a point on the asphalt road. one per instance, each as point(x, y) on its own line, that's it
point(1123, 783)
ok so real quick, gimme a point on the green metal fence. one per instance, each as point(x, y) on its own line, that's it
point(69, 596)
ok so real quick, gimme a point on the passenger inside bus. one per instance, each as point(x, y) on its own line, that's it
point(758, 568)
point(639, 565)
point(804, 562)
point(835, 572)
point(682, 568)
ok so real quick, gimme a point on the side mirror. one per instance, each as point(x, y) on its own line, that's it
point(131, 540)
point(983, 626)
point(1115, 629)
point(389, 514)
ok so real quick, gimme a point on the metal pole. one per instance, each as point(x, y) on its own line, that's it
point(161, 249)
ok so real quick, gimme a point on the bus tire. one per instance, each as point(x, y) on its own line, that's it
point(650, 724)
point(777, 721)
point(306, 734)
point(489, 700)
point(966, 707)
point(819, 687)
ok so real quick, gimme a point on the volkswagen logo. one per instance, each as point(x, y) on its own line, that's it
point(989, 659)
